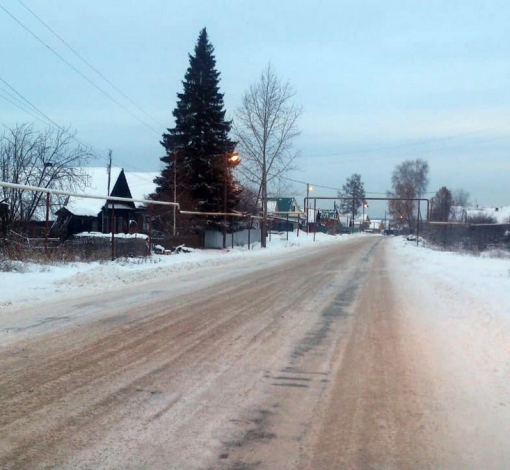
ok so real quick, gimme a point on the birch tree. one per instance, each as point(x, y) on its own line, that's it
point(265, 126)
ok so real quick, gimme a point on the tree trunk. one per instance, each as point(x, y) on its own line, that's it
point(264, 207)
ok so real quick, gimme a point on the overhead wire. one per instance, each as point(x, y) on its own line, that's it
point(27, 106)
point(406, 145)
point(10, 98)
point(97, 87)
point(31, 105)
point(426, 151)
point(334, 189)
point(85, 61)
point(32, 108)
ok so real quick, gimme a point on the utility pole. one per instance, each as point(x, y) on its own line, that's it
point(109, 172)
point(175, 189)
point(112, 224)
point(109, 169)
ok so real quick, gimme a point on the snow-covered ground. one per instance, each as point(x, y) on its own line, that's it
point(457, 310)
point(29, 283)
point(486, 277)
point(483, 278)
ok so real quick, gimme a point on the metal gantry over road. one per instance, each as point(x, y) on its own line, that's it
point(417, 199)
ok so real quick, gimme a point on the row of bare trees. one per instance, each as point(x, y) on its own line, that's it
point(409, 182)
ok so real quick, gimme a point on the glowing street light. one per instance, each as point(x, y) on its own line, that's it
point(231, 160)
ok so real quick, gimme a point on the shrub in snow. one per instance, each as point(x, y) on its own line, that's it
point(8, 266)
point(158, 249)
point(495, 254)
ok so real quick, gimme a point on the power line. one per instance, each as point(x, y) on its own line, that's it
point(89, 64)
point(45, 119)
point(79, 72)
point(311, 184)
point(335, 189)
point(9, 97)
point(48, 119)
point(27, 106)
point(411, 144)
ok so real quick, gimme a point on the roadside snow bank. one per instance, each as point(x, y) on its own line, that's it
point(33, 282)
point(457, 309)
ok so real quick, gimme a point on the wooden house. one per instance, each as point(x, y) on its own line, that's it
point(80, 215)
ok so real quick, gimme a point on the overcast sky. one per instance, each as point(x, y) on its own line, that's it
point(379, 82)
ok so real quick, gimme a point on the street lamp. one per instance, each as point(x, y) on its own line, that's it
point(309, 188)
point(363, 217)
point(231, 160)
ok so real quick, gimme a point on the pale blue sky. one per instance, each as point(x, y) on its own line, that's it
point(379, 82)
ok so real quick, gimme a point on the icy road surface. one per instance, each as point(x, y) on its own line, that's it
point(346, 355)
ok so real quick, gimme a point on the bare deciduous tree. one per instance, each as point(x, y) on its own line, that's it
point(266, 125)
point(248, 201)
point(460, 197)
point(441, 205)
point(49, 159)
point(409, 181)
point(460, 203)
point(355, 189)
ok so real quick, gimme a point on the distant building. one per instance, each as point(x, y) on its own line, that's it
point(284, 213)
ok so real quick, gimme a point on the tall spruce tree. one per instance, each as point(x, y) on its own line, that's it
point(197, 148)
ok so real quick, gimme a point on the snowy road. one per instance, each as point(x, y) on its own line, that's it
point(339, 356)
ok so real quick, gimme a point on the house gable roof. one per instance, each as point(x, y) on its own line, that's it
point(139, 186)
point(283, 205)
point(121, 189)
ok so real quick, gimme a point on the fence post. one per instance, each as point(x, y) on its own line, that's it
point(249, 231)
point(113, 230)
point(150, 228)
point(315, 218)
point(46, 232)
